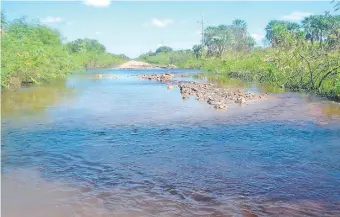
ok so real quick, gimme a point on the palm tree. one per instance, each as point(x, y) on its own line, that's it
point(270, 32)
point(275, 30)
point(241, 36)
point(240, 24)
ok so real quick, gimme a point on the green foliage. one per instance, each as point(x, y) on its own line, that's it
point(223, 38)
point(316, 28)
point(85, 45)
point(336, 5)
point(3, 20)
point(96, 60)
point(197, 49)
point(304, 67)
point(277, 32)
point(34, 53)
point(89, 53)
point(302, 57)
point(180, 58)
point(320, 28)
point(164, 49)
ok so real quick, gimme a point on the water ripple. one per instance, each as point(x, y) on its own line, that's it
point(136, 149)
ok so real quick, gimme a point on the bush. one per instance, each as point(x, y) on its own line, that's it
point(33, 53)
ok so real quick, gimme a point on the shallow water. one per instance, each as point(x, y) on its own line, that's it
point(129, 147)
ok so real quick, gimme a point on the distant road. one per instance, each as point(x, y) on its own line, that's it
point(132, 64)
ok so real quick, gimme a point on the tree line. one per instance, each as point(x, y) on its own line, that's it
point(35, 53)
point(300, 56)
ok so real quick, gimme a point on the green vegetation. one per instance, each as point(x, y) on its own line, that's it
point(301, 57)
point(90, 53)
point(181, 58)
point(34, 53)
point(164, 49)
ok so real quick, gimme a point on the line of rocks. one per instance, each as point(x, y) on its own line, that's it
point(158, 77)
point(219, 98)
point(105, 76)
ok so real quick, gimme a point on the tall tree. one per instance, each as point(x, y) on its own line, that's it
point(242, 40)
point(240, 24)
point(217, 39)
point(276, 30)
point(85, 45)
point(197, 49)
point(164, 49)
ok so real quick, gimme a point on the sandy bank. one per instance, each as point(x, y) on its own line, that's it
point(142, 65)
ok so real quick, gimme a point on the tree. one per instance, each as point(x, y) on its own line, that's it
point(3, 23)
point(217, 39)
point(31, 53)
point(164, 49)
point(276, 30)
point(241, 24)
point(322, 28)
point(34, 53)
point(197, 49)
point(123, 56)
point(242, 40)
point(235, 37)
point(85, 45)
point(336, 5)
point(333, 32)
point(3, 20)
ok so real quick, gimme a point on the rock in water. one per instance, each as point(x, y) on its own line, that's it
point(214, 96)
point(158, 77)
point(205, 92)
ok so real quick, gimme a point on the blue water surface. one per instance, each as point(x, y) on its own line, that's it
point(137, 135)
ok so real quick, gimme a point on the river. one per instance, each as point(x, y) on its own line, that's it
point(97, 146)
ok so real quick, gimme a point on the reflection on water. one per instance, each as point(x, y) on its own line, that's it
point(33, 100)
point(233, 82)
point(326, 109)
point(131, 147)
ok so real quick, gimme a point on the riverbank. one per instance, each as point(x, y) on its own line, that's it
point(27, 56)
point(293, 69)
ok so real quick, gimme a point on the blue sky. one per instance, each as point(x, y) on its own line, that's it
point(136, 27)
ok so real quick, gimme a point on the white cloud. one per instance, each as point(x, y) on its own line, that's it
point(98, 33)
point(198, 32)
point(51, 19)
point(161, 23)
point(98, 3)
point(257, 36)
point(296, 16)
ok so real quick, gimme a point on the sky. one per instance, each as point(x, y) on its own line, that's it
point(136, 27)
